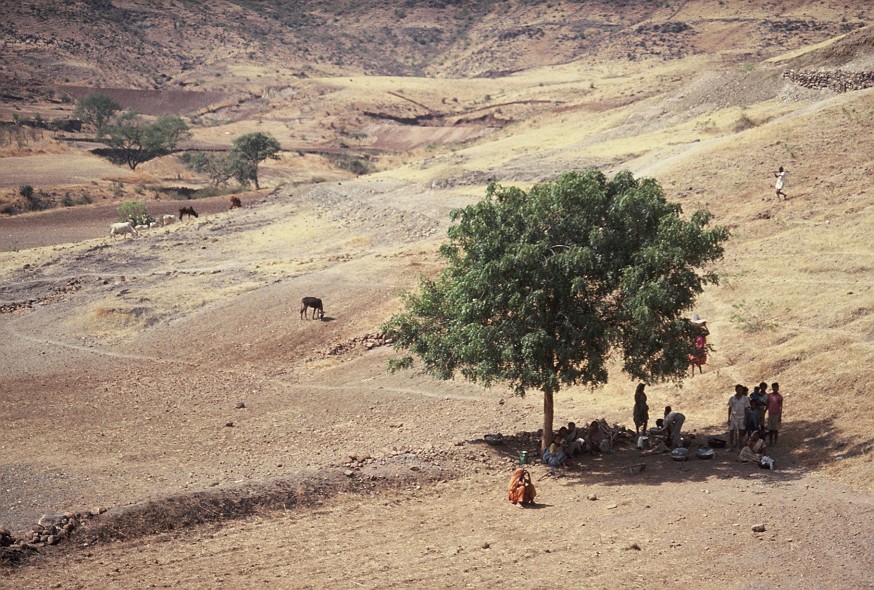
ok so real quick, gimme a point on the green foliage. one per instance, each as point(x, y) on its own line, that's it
point(96, 109)
point(33, 200)
point(135, 212)
point(219, 168)
point(753, 317)
point(353, 164)
point(135, 140)
point(542, 287)
point(69, 200)
point(250, 150)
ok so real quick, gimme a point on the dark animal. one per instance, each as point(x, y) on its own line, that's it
point(187, 211)
point(235, 202)
point(313, 302)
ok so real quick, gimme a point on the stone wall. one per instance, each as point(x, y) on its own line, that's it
point(837, 80)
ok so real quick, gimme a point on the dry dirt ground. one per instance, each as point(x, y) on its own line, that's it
point(170, 379)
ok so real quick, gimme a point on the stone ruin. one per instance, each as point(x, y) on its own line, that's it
point(836, 81)
point(50, 529)
point(368, 341)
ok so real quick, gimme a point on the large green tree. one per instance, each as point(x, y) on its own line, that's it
point(250, 150)
point(134, 140)
point(96, 109)
point(541, 288)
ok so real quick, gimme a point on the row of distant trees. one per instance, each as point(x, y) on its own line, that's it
point(132, 140)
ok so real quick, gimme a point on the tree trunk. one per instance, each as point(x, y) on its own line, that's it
point(548, 412)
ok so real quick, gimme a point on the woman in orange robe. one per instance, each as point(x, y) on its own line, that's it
point(521, 491)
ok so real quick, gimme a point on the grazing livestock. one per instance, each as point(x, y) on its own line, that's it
point(313, 302)
point(168, 219)
point(122, 228)
point(187, 211)
point(235, 202)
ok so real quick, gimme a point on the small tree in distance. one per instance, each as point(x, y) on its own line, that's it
point(542, 287)
point(96, 109)
point(136, 141)
point(250, 150)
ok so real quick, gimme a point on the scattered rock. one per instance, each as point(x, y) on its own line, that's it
point(592, 497)
point(759, 528)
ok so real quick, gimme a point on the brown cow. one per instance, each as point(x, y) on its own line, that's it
point(235, 202)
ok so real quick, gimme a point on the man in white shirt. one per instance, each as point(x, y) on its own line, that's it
point(738, 408)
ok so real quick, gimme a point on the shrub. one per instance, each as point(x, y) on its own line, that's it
point(753, 317)
point(353, 164)
point(744, 123)
point(135, 212)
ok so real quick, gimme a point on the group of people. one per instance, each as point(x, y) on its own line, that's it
point(754, 418)
point(571, 441)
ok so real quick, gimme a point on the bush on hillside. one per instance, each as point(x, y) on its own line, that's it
point(135, 212)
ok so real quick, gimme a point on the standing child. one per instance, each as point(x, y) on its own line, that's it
point(775, 413)
point(780, 175)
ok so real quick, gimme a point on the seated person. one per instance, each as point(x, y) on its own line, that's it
point(594, 437)
point(575, 441)
point(556, 454)
point(754, 449)
point(521, 491)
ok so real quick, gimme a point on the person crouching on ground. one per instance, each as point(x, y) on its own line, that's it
point(521, 491)
point(673, 423)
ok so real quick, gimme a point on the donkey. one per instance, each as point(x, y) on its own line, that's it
point(313, 302)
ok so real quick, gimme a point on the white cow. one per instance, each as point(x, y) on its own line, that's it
point(118, 229)
point(168, 219)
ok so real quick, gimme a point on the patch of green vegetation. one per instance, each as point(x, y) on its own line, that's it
point(753, 317)
point(135, 212)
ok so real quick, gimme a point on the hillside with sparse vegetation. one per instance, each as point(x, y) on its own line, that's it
point(164, 399)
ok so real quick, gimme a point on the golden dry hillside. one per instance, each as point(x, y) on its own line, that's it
point(164, 392)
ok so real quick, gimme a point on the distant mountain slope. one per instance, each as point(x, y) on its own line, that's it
point(211, 45)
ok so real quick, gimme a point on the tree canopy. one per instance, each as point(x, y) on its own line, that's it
point(248, 151)
point(542, 288)
point(96, 109)
point(135, 140)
